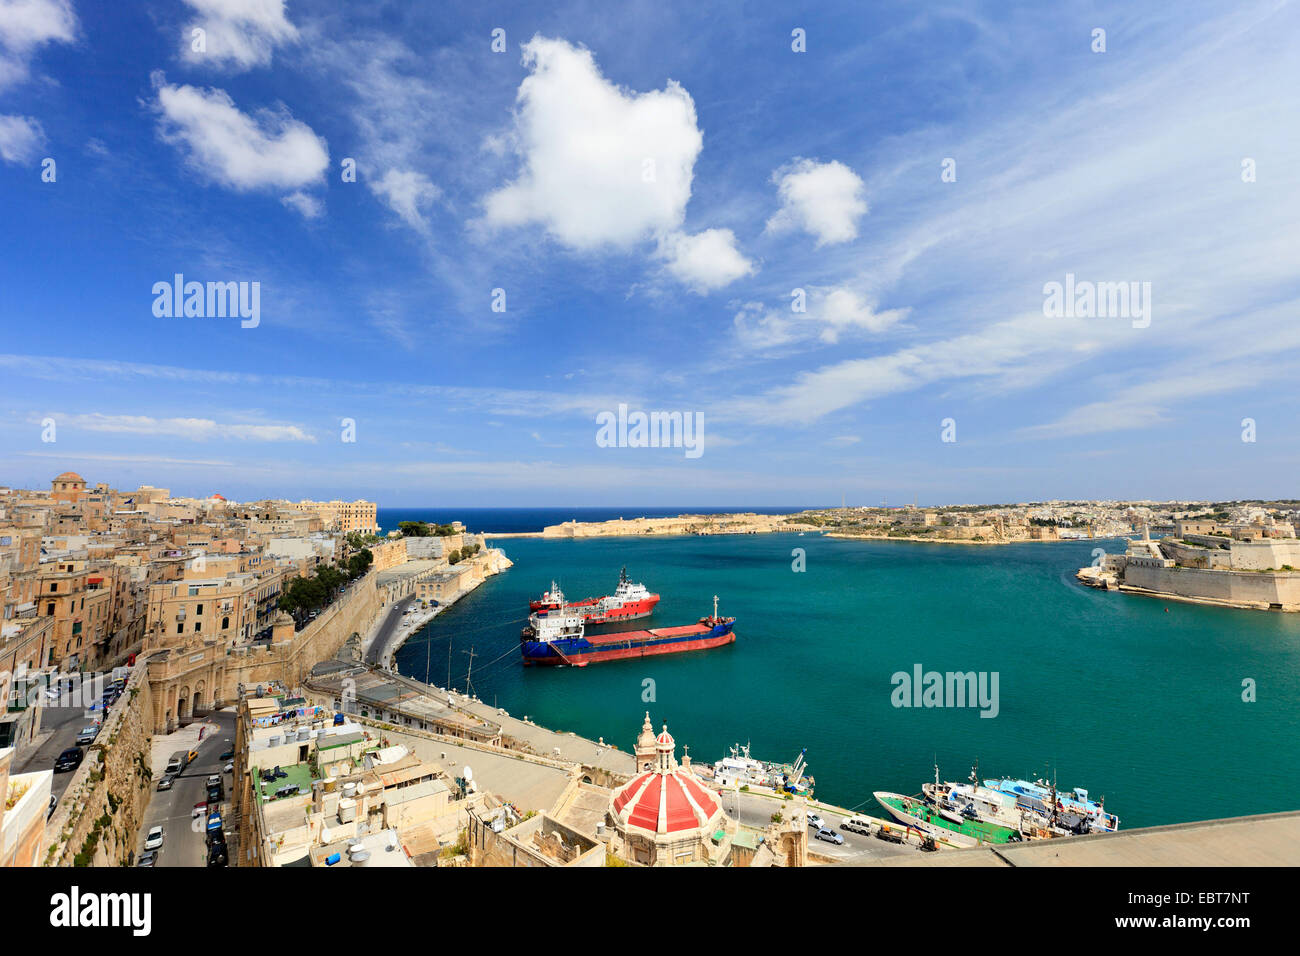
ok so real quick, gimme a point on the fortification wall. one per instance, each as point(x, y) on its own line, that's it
point(98, 818)
point(1232, 587)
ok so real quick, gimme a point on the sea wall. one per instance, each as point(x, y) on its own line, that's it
point(1252, 588)
point(98, 818)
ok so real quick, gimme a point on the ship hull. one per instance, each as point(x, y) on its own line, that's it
point(592, 613)
point(621, 645)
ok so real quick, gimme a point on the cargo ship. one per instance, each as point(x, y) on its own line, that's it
point(559, 637)
point(628, 602)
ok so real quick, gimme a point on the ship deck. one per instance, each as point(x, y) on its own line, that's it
point(617, 637)
point(975, 829)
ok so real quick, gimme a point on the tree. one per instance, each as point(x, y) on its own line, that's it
point(453, 556)
point(360, 562)
point(413, 529)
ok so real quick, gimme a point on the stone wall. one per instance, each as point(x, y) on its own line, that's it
point(213, 673)
point(98, 819)
point(1261, 589)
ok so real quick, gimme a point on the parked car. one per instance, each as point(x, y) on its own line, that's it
point(815, 822)
point(218, 855)
point(214, 821)
point(166, 782)
point(830, 836)
point(200, 810)
point(228, 755)
point(70, 759)
point(857, 825)
point(87, 735)
point(229, 768)
point(214, 780)
point(147, 859)
point(154, 839)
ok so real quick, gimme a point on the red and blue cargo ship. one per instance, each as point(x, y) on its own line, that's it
point(559, 637)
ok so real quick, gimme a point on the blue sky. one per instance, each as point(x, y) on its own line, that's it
point(771, 171)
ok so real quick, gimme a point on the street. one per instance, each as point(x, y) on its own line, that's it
point(375, 653)
point(172, 809)
point(60, 724)
point(755, 810)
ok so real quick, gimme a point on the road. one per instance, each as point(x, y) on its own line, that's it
point(755, 810)
point(375, 653)
point(60, 724)
point(185, 844)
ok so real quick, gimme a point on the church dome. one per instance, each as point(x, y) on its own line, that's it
point(665, 800)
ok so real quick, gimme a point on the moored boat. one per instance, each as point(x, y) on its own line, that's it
point(917, 814)
point(742, 770)
point(559, 637)
point(628, 602)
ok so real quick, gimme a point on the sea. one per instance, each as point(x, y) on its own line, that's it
point(1172, 712)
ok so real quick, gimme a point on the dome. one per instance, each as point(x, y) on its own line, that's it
point(665, 803)
point(665, 799)
point(70, 476)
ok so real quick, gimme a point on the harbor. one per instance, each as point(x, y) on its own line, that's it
point(819, 685)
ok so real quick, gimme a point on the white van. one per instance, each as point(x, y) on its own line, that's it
point(857, 825)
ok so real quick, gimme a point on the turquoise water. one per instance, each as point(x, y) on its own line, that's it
point(1121, 696)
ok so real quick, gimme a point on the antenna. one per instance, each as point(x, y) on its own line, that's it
point(715, 606)
point(469, 684)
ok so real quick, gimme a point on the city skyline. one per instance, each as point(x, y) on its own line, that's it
point(648, 194)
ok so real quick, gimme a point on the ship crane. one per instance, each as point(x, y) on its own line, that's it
point(796, 771)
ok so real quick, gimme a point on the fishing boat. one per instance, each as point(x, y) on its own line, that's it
point(916, 813)
point(1074, 810)
point(742, 770)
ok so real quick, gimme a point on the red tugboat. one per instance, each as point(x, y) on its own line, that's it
point(628, 602)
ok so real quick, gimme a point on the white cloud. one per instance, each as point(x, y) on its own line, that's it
point(26, 25)
point(239, 34)
point(406, 192)
point(823, 199)
point(705, 261)
point(194, 429)
point(20, 138)
point(305, 204)
point(270, 150)
point(830, 314)
point(843, 309)
point(602, 166)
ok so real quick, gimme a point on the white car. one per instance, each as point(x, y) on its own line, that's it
point(154, 840)
point(229, 768)
point(815, 821)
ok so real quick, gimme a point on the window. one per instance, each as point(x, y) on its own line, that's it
point(49, 609)
point(180, 628)
point(53, 587)
point(225, 623)
point(198, 626)
point(199, 609)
